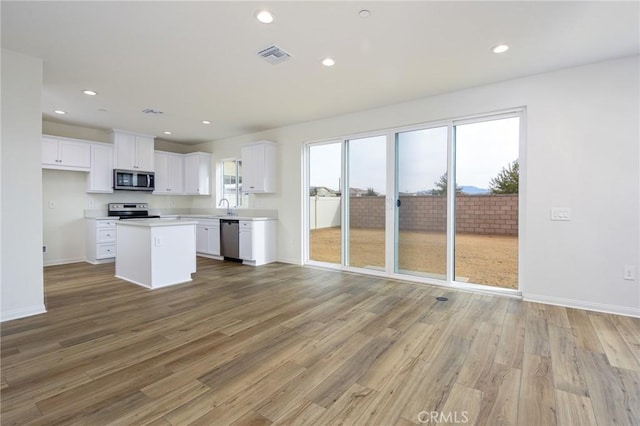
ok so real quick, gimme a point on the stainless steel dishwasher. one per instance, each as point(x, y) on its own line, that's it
point(229, 238)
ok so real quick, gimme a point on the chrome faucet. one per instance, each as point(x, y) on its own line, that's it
point(228, 207)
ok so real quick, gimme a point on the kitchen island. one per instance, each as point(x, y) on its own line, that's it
point(155, 253)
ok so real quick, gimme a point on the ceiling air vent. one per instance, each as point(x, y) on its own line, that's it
point(274, 55)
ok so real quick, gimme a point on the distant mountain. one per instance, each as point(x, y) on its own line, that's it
point(471, 190)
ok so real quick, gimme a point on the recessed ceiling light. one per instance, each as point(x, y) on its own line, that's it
point(89, 92)
point(265, 16)
point(364, 13)
point(205, 122)
point(501, 48)
point(328, 62)
point(59, 111)
point(167, 133)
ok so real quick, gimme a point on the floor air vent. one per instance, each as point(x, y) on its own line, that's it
point(274, 55)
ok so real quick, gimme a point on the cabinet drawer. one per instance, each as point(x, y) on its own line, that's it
point(246, 224)
point(209, 222)
point(106, 235)
point(106, 251)
point(106, 224)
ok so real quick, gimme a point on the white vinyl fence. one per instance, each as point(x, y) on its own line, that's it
point(324, 212)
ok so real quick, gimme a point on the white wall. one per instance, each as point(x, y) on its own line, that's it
point(581, 152)
point(21, 288)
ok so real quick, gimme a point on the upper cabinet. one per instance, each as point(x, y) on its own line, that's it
point(65, 154)
point(197, 173)
point(259, 167)
point(100, 178)
point(169, 173)
point(133, 151)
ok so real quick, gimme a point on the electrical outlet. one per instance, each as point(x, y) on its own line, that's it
point(52, 204)
point(629, 273)
point(561, 213)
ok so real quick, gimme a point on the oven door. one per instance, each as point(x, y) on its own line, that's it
point(123, 179)
point(144, 181)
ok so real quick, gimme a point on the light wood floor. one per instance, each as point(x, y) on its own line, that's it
point(283, 344)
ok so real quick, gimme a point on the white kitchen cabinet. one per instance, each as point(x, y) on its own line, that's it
point(169, 173)
point(246, 240)
point(259, 167)
point(65, 154)
point(197, 173)
point(100, 178)
point(207, 236)
point(101, 240)
point(257, 239)
point(202, 239)
point(133, 151)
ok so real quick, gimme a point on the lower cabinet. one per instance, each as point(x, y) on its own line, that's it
point(246, 240)
point(208, 237)
point(257, 241)
point(101, 240)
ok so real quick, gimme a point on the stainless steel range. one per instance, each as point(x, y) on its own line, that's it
point(130, 211)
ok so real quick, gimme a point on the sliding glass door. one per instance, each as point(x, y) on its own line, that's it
point(421, 201)
point(325, 202)
point(486, 204)
point(385, 203)
point(366, 180)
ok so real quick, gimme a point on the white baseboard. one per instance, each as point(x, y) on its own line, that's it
point(63, 261)
point(22, 312)
point(101, 261)
point(290, 261)
point(580, 304)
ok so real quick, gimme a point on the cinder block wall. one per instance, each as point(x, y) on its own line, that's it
point(487, 214)
point(475, 214)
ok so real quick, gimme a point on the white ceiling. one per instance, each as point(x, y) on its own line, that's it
point(198, 60)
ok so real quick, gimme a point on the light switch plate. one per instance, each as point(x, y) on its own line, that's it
point(561, 213)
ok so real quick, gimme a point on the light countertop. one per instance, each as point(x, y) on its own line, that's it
point(193, 216)
point(155, 222)
point(207, 216)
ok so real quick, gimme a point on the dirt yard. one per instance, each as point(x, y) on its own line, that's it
point(480, 259)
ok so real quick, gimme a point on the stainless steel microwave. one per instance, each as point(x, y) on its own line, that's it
point(131, 180)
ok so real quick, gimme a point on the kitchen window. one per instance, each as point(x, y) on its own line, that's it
point(231, 183)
